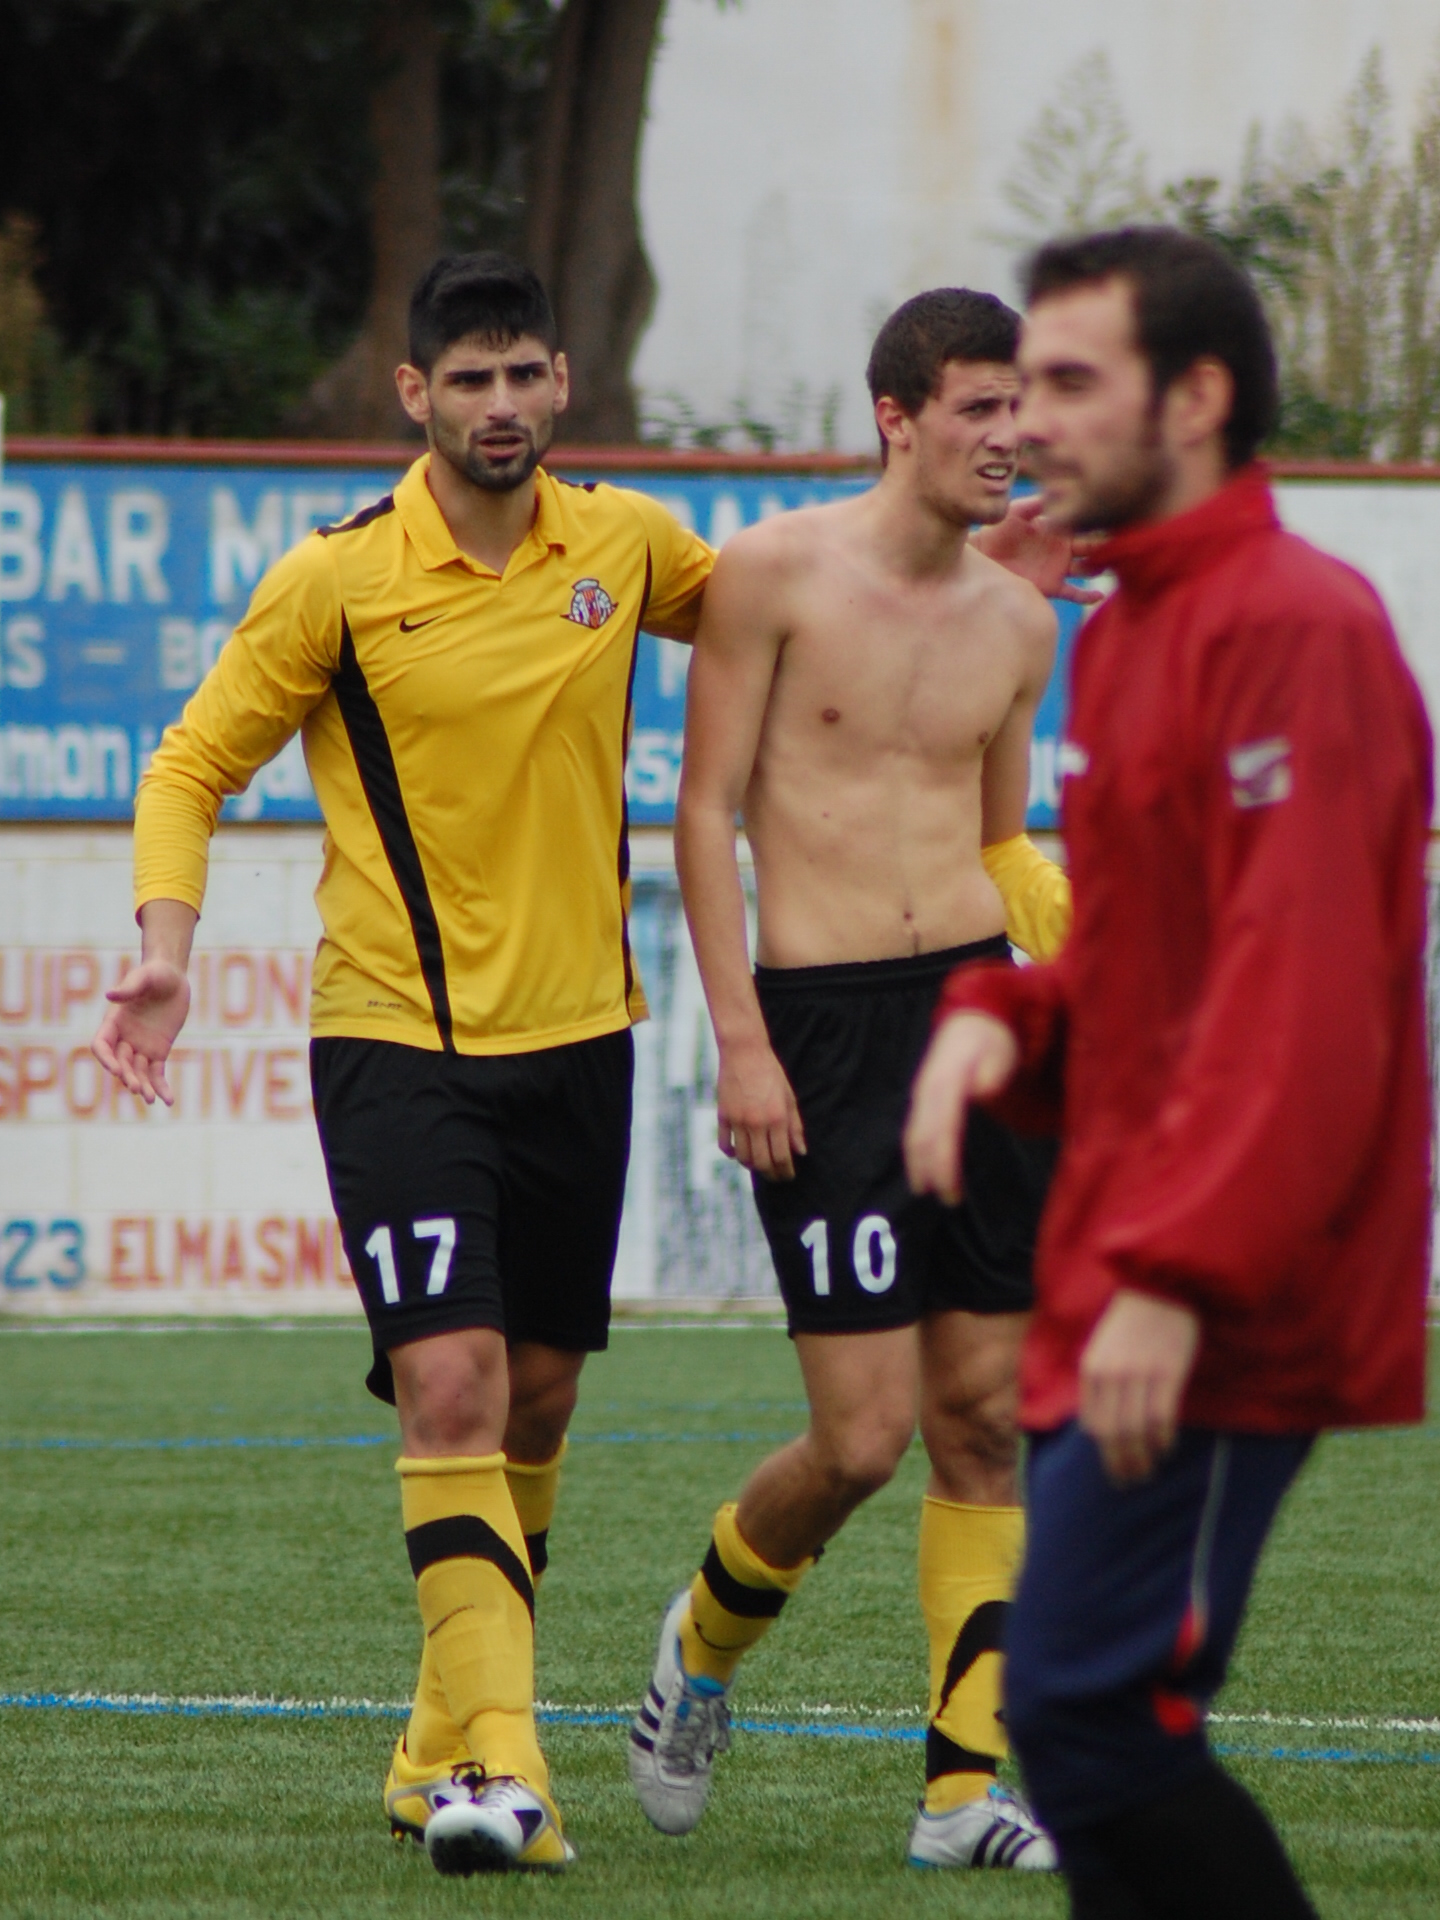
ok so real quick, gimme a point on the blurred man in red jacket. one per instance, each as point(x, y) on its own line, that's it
point(1233, 1044)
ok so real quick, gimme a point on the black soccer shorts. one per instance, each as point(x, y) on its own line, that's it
point(477, 1191)
point(855, 1251)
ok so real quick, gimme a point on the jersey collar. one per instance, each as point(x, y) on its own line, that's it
point(434, 543)
point(1150, 556)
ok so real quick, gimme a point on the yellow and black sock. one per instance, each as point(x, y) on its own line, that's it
point(534, 1491)
point(477, 1600)
point(734, 1599)
point(432, 1739)
point(969, 1557)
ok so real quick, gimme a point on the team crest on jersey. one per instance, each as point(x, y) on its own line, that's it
point(1260, 774)
point(590, 604)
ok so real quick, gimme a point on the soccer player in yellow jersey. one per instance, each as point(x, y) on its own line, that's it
point(457, 659)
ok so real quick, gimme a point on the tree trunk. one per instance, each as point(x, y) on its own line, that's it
point(356, 397)
point(582, 226)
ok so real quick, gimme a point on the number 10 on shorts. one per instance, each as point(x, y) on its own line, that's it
point(381, 1249)
point(872, 1251)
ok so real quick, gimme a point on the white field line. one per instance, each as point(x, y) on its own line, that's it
point(210, 1702)
point(804, 1710)
point(352, 1324)
point(1325, 1723)
point(71, 1328)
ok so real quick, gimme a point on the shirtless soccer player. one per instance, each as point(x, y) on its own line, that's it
point(863, 689)
point(457, 659)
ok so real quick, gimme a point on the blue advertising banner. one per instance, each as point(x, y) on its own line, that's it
point(120, 584)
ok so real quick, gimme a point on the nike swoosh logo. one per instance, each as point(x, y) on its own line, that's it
point(412, 626)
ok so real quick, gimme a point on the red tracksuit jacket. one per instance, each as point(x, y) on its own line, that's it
point(1233, 1042)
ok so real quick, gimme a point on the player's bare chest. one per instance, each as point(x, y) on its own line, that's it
point(932, 676)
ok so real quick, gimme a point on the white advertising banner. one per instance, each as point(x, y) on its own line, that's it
point(220, 1204)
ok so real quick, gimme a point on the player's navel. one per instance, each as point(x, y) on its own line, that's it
point(830, 715)
point(984, 739)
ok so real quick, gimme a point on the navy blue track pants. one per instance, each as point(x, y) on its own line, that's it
point(1127, 1611)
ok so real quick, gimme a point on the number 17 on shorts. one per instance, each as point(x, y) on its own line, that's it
point(380, 1249)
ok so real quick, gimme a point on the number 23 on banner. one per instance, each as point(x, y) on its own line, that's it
point(32, 1252)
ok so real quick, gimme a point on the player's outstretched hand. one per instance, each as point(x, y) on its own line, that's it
point(759, 1116)
point(134, 1039)
point(1132, 1377)
point(970, 1057)
point(1026, 543)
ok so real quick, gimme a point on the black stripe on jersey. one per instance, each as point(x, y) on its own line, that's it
point(624, 859)
point(465, 1536)
point(376, 766)
point(361, 519)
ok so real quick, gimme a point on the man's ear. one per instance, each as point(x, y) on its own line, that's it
point(1200, 400)
point(414, 390)
point(562, 382)
point(896, 426)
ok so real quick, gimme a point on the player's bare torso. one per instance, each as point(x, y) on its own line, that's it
point(871, 783)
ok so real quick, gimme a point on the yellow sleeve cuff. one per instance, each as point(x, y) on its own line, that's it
point(174, 819)
point(1036, 894)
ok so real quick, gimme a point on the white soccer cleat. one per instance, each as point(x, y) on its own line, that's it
point(998, 1831)
point(682, 1724)
point(413, 1795)
point(504, 1826)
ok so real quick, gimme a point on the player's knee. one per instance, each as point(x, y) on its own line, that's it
point(540, 1413)
point(451, 1393)
point(979, 1434)
point(992, 1437)
point(863, 1458)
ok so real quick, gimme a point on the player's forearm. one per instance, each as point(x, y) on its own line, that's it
point(167, 929)
point(174, 819)
point(1033, 1003)
point(715, 909)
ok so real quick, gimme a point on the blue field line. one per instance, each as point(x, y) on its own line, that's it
point(207, 1709)
point(200, 1443)
point(245, 1709)
point(1346, 1756)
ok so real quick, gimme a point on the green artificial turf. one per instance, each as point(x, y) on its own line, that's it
point(280, 1573)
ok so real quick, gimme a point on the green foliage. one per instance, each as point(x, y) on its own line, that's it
point(280, 1572)
point(1415, 243)
point(803, 418)
point(45, 391)
point(491, 89)
point(1341, 237)
point(198, 173)
point(1077, 168)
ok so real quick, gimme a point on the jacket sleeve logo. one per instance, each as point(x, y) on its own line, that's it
point(590, 604)
point(1260, 773)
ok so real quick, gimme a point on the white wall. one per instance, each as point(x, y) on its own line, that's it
point(221, 1205)
point(1390, 530)
point(811, 163)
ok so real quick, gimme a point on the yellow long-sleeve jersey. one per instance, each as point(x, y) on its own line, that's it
point(466, 733)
